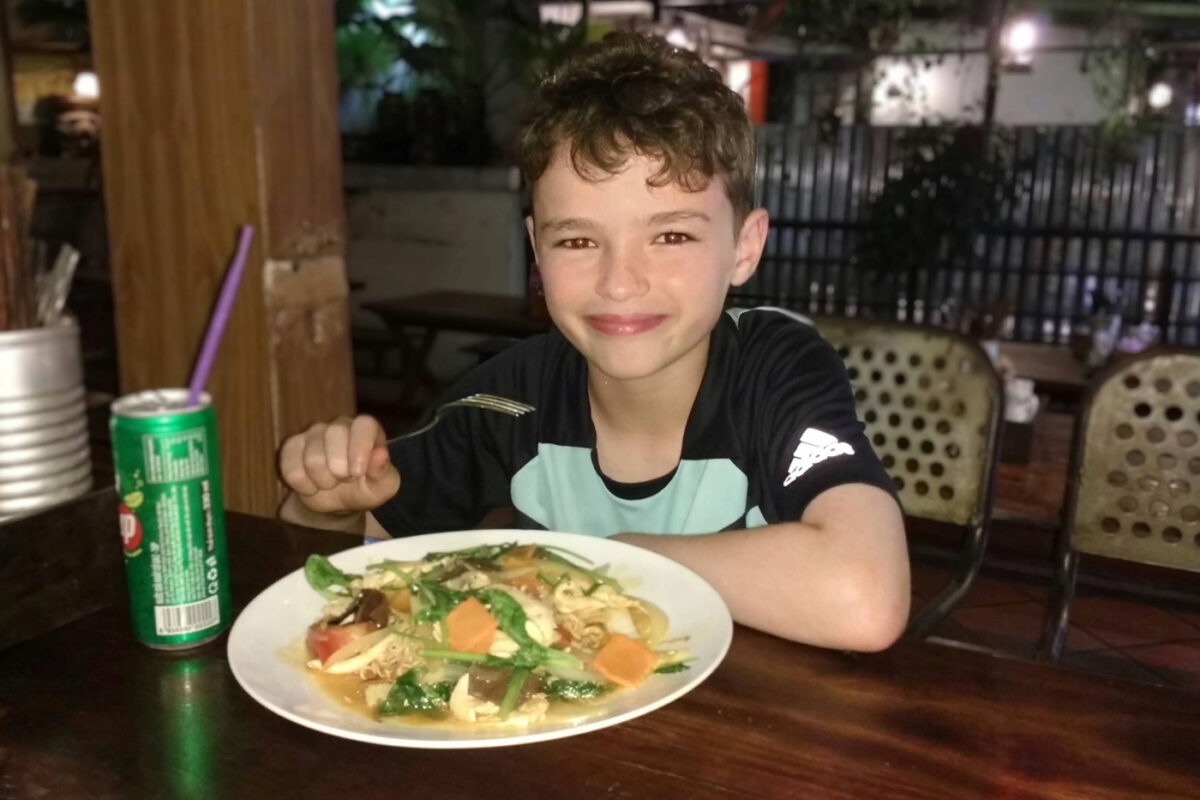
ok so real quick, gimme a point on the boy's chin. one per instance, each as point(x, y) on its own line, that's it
point(625, 368)
point(624, 371)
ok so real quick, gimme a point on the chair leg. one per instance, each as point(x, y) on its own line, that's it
point(1054, 634)
point(969, 564)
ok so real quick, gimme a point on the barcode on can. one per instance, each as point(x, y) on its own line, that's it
point(176, 620)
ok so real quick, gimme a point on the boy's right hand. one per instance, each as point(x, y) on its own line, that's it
point(340, 467)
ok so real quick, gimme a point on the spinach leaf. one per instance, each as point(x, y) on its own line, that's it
point(325, 577)
point(436, 600)
point(512, 619)
point(442, 690)
point(509, 614)
point(574, 691)
point(408, 696)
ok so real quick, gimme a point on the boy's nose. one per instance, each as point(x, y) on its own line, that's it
point(621, 278)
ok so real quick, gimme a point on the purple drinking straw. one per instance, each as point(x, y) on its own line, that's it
point(216, 323)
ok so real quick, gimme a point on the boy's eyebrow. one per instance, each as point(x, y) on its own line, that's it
point(565, 223)
point(678, 216)
point(661, 218)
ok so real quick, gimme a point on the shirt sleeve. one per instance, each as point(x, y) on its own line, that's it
point(454, 473)
point(807, 435)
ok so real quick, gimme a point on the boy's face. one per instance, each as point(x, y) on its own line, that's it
point(635, 276)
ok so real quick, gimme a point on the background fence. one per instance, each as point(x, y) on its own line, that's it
point(1075, 222)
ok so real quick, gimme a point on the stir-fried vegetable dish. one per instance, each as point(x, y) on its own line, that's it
point(491, 635)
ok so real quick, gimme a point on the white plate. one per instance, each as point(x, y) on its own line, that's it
point(278, 617)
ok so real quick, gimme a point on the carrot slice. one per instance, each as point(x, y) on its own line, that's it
point(470, 628)
point(624, 661)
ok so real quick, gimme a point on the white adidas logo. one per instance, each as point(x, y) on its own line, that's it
point(815, 446)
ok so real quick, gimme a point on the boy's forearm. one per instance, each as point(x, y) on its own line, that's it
point(799, 582)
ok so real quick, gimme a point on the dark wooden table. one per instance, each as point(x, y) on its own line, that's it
point(1052, 368)
point(86, 712)
point(1034, 494)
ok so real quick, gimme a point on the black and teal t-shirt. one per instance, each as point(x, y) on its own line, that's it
point(773, 426)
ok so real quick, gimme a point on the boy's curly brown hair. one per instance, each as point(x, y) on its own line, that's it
point(634, 93)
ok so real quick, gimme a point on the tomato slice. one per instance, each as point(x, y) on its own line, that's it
point(564, 638)
point(325, 640)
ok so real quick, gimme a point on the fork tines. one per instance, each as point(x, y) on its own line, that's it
point(496, 403)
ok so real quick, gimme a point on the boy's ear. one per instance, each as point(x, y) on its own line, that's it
point(751, 241)
point(530, 234)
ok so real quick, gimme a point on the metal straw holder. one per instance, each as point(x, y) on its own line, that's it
point(44, 455)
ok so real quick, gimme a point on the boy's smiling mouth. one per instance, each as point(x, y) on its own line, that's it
point(624, 324)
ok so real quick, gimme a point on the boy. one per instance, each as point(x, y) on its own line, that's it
point(656, 411)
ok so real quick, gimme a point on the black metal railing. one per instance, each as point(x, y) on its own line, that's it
point(1076, 220)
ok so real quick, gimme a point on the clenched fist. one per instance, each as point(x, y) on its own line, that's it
point(341, 467)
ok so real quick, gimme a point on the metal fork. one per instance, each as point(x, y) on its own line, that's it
point(488, 402)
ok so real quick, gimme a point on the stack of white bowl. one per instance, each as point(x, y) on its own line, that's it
point(44, 456)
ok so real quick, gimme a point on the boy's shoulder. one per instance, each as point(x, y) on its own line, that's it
point(767, 335)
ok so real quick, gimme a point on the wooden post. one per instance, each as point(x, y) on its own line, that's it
point(216, 114)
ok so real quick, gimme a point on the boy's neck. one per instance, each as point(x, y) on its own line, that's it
point(655, 406)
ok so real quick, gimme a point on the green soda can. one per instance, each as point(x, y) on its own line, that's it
point(172, 518)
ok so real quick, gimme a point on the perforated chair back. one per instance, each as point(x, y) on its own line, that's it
point(931, 402)
point(1136, 488)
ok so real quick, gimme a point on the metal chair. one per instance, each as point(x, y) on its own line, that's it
point(932, 403)
point(1134, 491)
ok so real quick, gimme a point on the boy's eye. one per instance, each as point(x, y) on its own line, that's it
point(675, 237)
point(577, 243)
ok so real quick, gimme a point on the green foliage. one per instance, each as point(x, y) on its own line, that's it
point(459, 53)
point(929, 217)
point(364, 57)
point(860, 24)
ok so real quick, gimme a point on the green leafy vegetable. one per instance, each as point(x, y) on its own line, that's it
point(544, 578)
point(468, 658)
point(326, 578)
point(574, 691)
point(441, 690)
point(408, 696)
point(397, 569)
point(676, 666)
point(509, 614)
point(513, 692)
point(546, 553)
point(436, 600)
point(487, 552)
point(512, 619)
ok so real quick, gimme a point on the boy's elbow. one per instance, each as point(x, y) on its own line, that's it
point(878, 615)
point(882, 630)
